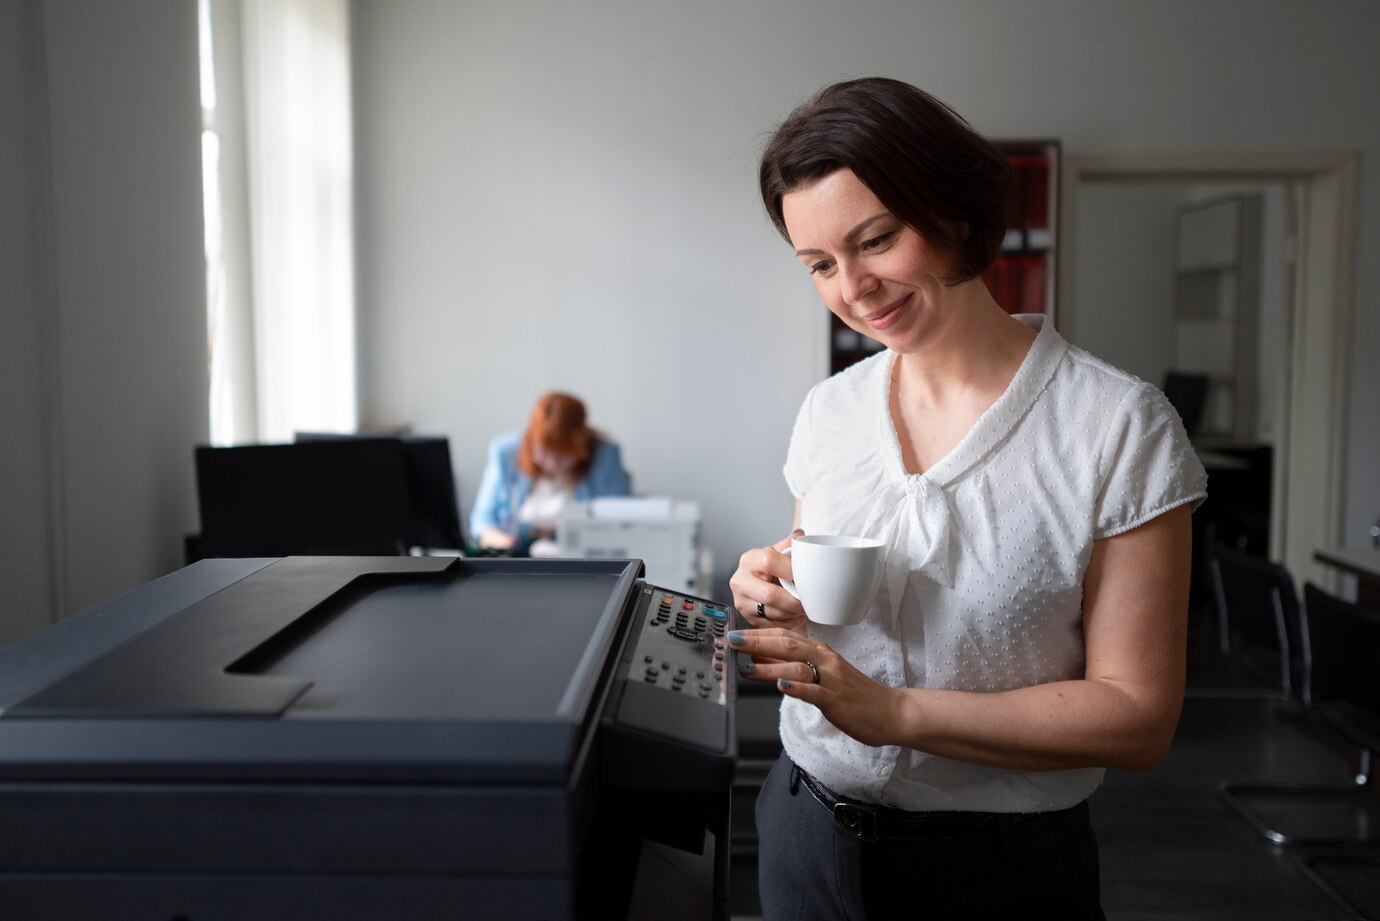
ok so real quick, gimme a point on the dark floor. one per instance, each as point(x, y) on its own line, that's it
point(1172, 848)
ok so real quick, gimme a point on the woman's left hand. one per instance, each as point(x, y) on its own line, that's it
point(850, 700)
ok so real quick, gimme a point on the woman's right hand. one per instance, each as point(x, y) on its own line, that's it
point(495, 539)
point(757, 581)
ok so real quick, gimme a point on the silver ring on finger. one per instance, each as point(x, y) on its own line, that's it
point(814, 670)
point(761, 611)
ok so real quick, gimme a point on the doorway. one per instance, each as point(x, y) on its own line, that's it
point(1314, 195)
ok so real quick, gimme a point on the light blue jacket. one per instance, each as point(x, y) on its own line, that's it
point(503, 487)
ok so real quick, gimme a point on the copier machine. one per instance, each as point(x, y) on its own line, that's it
point(368, 738)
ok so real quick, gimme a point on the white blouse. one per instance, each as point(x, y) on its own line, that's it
point(545, 503)
point(986, 552)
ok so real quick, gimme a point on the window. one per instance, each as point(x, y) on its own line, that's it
point(277, 160)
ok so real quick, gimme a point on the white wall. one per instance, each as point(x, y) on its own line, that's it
point(1126, 250)
point(557, 194)
point(104, 339)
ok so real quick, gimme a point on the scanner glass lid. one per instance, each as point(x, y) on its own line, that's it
point(487, 643)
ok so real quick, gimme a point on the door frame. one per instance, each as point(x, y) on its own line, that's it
point(1311, 455)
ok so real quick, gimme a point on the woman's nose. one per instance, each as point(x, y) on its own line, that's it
point(855, 282)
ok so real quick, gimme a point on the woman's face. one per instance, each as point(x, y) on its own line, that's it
point(553, 463)
point(874, 272)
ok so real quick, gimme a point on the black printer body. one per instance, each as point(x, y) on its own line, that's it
point(362, 738)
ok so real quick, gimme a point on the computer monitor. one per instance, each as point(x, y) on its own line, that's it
point(433, 509)
point(330, 497)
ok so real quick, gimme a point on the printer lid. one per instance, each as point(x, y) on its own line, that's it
point(402, 668)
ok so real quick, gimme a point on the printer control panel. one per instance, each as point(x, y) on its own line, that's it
point(680, 645)
point(672, 711)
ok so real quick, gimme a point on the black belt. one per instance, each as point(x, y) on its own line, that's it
point(869, 823)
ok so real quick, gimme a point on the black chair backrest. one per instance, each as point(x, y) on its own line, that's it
point(1344, 645)
point(1259, 611)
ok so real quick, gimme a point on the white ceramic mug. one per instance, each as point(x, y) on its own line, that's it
point(836, 576)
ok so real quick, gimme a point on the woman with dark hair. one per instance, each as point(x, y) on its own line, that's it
point(1034, 502)
point(531, 475)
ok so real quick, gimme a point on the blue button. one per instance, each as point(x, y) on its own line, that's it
point(714, 612)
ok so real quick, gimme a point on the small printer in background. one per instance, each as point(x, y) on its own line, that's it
point(664, 533)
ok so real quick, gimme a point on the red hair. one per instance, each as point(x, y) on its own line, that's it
point(558, 425)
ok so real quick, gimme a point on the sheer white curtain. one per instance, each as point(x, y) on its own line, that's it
point(297, 342)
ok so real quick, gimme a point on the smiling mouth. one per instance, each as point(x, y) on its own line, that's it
point(887, 315)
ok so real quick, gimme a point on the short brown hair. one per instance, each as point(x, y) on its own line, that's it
point(558, 425)
point(918, 156)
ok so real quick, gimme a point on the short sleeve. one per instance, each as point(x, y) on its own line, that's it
point(1147, 465)
point(797, 470)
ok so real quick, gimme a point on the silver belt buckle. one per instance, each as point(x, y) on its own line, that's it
point(858, 820)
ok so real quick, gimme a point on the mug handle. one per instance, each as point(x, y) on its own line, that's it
point(787, 584)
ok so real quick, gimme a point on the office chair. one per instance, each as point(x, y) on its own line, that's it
point(1258, 618)
point(1344, 647)
point(1352, 881)
point(1342, 652)
point(1345, 640)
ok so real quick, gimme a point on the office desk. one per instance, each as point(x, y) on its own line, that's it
point(1361, 562)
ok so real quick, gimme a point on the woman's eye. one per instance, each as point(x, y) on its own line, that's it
point(818, 268)
point(878, 242)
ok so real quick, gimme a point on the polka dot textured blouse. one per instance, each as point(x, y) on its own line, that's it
point(986, 552)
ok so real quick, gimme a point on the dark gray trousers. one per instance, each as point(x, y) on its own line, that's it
point(810, 869)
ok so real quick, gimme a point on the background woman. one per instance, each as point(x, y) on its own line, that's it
point(531, 475)
point(1034, 501)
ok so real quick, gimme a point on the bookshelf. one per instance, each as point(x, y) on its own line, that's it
point(1022, 279)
